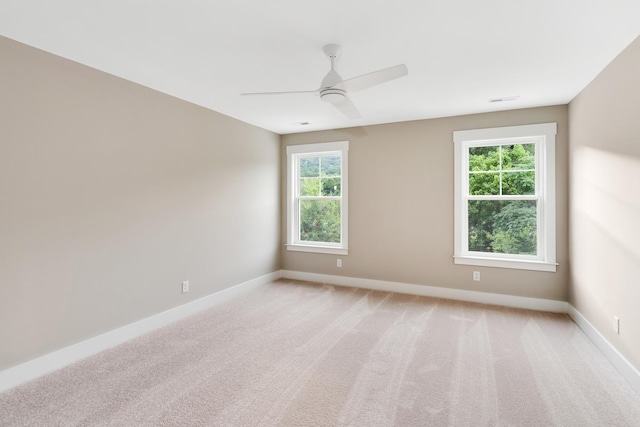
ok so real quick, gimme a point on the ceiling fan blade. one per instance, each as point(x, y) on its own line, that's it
point(375, 78)
point(347, 108)
point(280, 93)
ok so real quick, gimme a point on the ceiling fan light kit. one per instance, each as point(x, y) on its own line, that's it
point(334, 89)
point(333, 95)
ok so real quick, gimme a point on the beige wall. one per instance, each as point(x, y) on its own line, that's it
point(401, 206)
point(605, 201)
point(111, 194)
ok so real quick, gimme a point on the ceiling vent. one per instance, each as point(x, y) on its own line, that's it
point(504, 99)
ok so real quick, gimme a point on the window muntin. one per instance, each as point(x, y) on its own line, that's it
point(507, 169)
point(317, 203)
point(505, 197)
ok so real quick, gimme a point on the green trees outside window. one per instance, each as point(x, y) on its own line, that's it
point(498, 221)
point(320, 192)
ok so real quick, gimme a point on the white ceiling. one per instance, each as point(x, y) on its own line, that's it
point(460, 53)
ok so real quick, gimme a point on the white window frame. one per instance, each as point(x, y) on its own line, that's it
point(294, 153)
point(544, 136)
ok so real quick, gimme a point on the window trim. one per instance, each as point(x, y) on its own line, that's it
point(323, 148)
point(544, 134)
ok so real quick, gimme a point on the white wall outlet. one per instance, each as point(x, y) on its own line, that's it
point(339, 263)
point(185, 286)
point(616, 325)
point(476, 276)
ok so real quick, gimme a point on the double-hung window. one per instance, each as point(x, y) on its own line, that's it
point(317, 204)
point(505, 197)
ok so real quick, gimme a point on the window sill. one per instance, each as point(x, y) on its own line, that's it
point(318, 249)
point(506, 263)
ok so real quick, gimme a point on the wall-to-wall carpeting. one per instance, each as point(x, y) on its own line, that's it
point(293, 354)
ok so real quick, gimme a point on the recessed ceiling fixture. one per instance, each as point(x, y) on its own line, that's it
point(334, 88)
point(504, 99)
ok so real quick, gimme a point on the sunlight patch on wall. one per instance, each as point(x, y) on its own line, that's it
point(608, 194)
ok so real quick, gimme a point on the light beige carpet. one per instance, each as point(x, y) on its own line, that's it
point(300, 354)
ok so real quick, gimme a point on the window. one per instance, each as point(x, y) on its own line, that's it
point(317, 197)
point(505, 197)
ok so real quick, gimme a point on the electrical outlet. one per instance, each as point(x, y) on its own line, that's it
point(185, 286)
point(339, 263)
point(476, 276)
point(616, 325)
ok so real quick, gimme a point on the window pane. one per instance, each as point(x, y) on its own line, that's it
point(519, 183)
point(484, 158)
point(330, 166)
point(310, 166)
point(484, 184)
point(320, 221)
point(519, 157)
point(309, 186)
point(507, 227)
point(331, 186)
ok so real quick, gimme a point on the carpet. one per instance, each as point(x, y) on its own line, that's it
point(304, 354)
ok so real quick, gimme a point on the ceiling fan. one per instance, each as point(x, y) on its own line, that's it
point(334, 89)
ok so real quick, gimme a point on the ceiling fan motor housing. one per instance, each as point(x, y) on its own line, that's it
point(333, 95)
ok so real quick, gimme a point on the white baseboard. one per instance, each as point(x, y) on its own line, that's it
point(432, 291)
point(35, 368)
point(628, 371)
